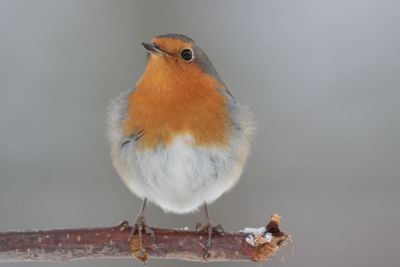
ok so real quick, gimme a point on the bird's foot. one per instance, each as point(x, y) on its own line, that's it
point(210, 230)
point(139, 228)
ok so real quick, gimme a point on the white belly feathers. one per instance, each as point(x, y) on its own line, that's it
point(180, 177)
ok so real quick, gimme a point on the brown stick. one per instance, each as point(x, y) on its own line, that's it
point(111, 242)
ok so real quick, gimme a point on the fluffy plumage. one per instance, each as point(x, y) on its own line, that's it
point(179, 138)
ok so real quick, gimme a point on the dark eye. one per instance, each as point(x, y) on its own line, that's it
point(186, 54)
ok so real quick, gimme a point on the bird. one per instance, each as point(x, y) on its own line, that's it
point(178, 138)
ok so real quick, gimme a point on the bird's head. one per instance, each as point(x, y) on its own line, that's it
point(176, 55)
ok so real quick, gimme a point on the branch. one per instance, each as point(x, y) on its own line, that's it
point(112, 242)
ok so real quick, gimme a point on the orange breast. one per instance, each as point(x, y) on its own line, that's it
point(172, 99)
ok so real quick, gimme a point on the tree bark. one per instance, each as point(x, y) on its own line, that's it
point(112, 242)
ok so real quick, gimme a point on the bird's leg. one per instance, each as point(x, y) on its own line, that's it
point(210, 230)
point(139, 227)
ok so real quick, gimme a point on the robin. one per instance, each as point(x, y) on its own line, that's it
point(179, 138)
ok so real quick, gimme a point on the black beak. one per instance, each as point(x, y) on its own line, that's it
point(153, 48)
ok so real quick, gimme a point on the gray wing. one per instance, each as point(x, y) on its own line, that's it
point(117, 112)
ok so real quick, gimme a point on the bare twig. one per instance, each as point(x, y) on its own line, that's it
point(112, 242)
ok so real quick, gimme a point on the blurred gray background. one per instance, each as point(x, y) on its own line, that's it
point(322, 78)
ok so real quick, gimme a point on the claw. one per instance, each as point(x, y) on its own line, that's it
point(138, 228)
point(219, 229)
point(210, 230)
point(199, 227)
